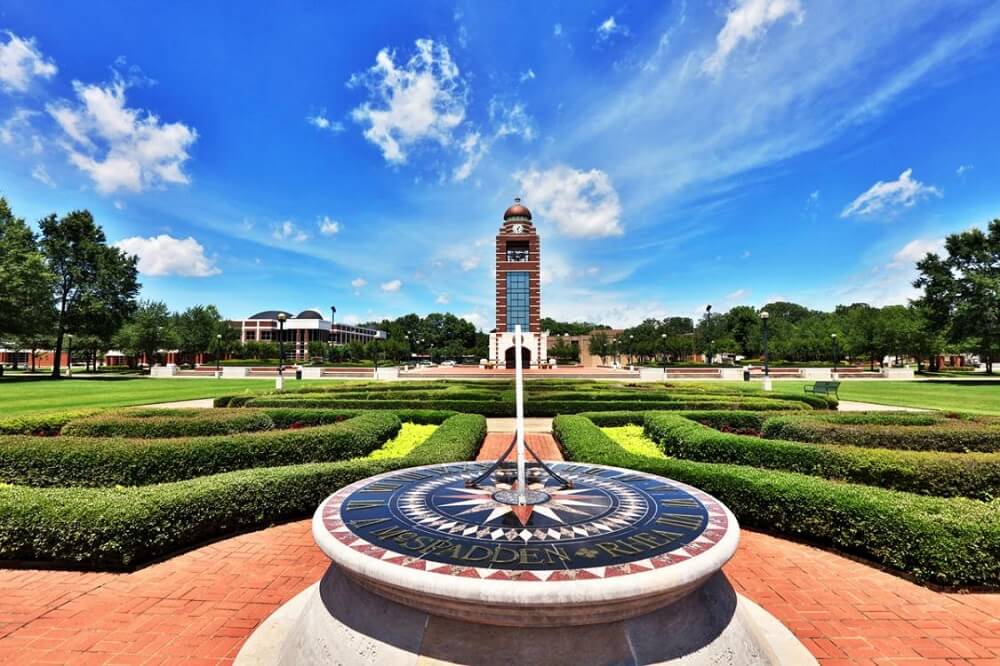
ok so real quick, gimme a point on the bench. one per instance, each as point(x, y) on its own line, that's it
point(826, 388)
point(680, 373)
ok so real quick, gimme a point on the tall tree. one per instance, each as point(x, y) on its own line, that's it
point(962, 290)
point(198, 328)
point(26, 305)
point(95, 285)
point(148, 330)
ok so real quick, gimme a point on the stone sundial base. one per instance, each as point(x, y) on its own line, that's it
point(624, 568)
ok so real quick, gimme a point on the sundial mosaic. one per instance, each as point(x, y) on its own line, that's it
point(610, 522)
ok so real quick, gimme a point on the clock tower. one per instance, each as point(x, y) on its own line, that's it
point(518, 290)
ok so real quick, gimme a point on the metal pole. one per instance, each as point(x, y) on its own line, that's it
point(519, 424)
point(766, 360)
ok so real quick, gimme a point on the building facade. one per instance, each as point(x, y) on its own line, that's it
point(301, 329)
point(518, 291)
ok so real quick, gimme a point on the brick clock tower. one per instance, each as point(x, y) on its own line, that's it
point(518, 291)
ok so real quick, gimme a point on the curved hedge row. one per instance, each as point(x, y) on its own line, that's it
point(891, 431)
point(531, 407)
point(80, 461)
point(121, 528)
point(953, 541)
point(168, 423)
point(926, 473)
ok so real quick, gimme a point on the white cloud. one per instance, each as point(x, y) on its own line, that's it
point(442, 299)
point(747, 21)
point(288, 231)
point(328, 226)
point(420, 100)
point(119, 205)
point(350, 319)
point(738, 295)
point(41, 175)
point(320, 121)
point(964, 169)
point(580, 203)
point(814, 196)
point(609, 28)
point(528, 75)
point(20, 62)
point(358, 283)
point(392, 286)
point(471, 262)
point(557, 30)
point(904, 191)
point(166, 255)
point(510, 119)
point(476, 319)
point(17, 126)
point(119, 147)
point(474, 148)
point(915, 250)
point(745, 254)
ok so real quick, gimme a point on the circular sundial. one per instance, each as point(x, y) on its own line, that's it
point(425, 531)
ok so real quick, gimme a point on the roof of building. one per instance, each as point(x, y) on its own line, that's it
point(270, 314)
point(517, 210)
point(311, 313)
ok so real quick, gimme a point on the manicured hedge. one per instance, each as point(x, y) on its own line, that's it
point(121, 528)
point(926, 473)
point(533, 407)
point(891, 431)
point(80, 461)
point(40, 424)
point(953, 542)
point(286, 417)
point(169, 423)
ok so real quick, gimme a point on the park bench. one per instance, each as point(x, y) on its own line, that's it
point(826, 388)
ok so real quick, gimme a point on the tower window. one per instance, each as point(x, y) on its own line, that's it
point(517, 251)
point(517, 300)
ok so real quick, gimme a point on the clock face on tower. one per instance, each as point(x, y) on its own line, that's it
point(518, 228)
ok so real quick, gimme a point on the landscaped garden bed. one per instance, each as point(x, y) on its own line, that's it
point(118, 493)
point(833, 495)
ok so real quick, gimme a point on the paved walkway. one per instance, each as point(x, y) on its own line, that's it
point(202, 403)
point(541, 443)
point(852, 406)
point(531, 424)
point(199, 607)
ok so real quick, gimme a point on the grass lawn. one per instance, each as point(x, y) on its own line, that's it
point(981, 397)
point(19, 396)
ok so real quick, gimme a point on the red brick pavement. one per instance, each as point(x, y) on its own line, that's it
point(542, 444)
point(199, 607)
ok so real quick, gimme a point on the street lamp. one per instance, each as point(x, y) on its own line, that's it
point(69, 354)
point(631, 350)
point(764, 316)
point(711, 351)
point(833, 341)
point(663, 351)
point(218, 352)
point(280, 382)
point(614, 351)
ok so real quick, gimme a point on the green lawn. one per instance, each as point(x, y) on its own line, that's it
point(39, 395)
point(981, 397)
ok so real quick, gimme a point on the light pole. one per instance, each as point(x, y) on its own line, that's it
point(833, 342)
point(631, 350)
point(711, 351)
point(663, 352)
point(69, 354)
point(764, 316)
point(614, 351)
point(280, 381)
point(218, 352)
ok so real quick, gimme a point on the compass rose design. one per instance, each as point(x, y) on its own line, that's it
point(573, 502)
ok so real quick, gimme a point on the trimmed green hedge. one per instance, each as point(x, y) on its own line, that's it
point(121, 528)
point(169, 423)
point(42, 425)
point(79, 461)
point(532, 407)
point(926, 473)
point(953, 542)
point(891, 431)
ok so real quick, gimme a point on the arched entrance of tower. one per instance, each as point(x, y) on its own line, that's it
point(511, 360)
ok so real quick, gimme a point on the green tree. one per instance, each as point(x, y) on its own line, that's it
point(197, 329)
point(147, 331)
point(600, 345)
point(962, 290)
point(743, 326)
point(95, 285)
point(27, 310)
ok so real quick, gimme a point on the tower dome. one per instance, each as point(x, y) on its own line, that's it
point(517, 211)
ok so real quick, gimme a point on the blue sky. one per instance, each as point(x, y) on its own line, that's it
point(305, 155)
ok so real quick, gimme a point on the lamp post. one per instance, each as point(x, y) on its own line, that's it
point(69, 354)
point(614, 351)
point(833, 342)
point(631, 350)
point(279, 383)
point(764, 316)
point(218, 355)
point(663, 352)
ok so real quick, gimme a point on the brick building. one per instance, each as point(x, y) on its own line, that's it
point(301, 329)
point(518, 291)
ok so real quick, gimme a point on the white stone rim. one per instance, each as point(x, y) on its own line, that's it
point(654, 581)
